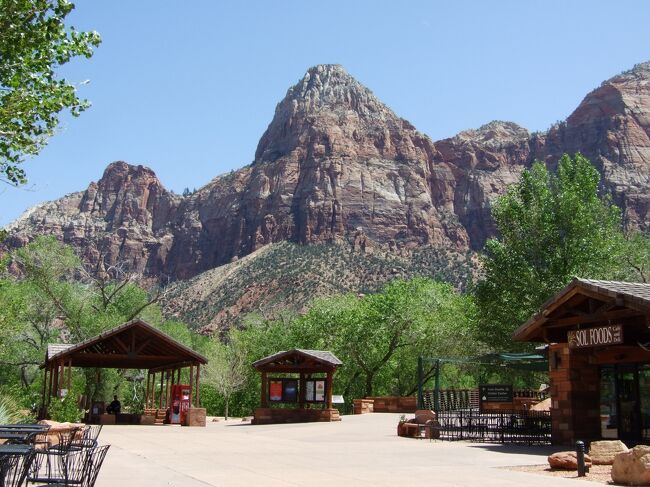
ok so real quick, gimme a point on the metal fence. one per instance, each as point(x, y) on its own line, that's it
point(451, 399)
point(518, 427)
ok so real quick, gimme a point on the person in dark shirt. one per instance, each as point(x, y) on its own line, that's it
point(114, 407)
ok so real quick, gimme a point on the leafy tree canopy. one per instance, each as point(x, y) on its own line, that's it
point(552, 227)
point(34, 43)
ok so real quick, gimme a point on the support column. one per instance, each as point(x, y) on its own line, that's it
point(146, 394)
point(198, 390)
point(49, 383)
point(191, 385)
point(61, 367)
point(162, 380)
point(167, 388)
point(43, 393)
point(328, 385)
point(69, 375)
point(301, 391)
point(264, 391)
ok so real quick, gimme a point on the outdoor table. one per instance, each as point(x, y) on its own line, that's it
point(33, 427)
point(19, 436)
point(15, 449)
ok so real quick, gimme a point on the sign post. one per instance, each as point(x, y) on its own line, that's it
point(495, 393)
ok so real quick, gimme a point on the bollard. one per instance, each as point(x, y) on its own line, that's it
point(580, 457)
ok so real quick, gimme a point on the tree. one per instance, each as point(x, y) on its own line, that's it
point(227, 370)
point(552, 227)
point(34, 43)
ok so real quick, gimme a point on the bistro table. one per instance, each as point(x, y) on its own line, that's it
point(17, 436)
point(25, 427)
point(15, 449)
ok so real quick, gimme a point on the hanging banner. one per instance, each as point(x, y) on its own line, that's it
point(596, 337)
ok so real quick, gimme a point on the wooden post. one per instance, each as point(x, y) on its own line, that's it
point(264, 391)
point(49, 383)
point(69, 375)
point(43, 393)
point(61, 376)
point(301, 391)
point(328, 389)
point(191, 384)
point(152, 397)
point(198, 390)
point(146, 394)
point(160, 398)
point(167, 388)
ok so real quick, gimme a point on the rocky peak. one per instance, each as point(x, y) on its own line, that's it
point(329, 94)
point(495, 134)
point(330, 86)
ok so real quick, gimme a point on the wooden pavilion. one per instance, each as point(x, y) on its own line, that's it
point(599, 360)
point(299, 389)
point(133, 345)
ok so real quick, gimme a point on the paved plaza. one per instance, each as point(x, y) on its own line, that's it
point(358, 451)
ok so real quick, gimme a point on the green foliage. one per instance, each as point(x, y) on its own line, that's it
point(65, 410)
point(227, 369)
point(378, 337)
point(34, 43)
point(552, 227)
point(57, 301)
point(9, 410)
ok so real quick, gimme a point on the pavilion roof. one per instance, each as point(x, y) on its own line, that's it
point(297, 359)
point(585, 301)
point(133, 345)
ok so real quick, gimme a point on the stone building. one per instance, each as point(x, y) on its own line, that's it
point(599, 359)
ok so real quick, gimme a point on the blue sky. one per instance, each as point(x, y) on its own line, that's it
point(187, 88)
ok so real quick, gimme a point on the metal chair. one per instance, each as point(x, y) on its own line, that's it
point(49, 463)
point(95, 461)
point(14, 468)
point(88, 437)
point(76, 467)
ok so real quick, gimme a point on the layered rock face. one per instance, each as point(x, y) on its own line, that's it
point(336, 164)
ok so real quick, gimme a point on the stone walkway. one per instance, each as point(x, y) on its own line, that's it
point(359, 451)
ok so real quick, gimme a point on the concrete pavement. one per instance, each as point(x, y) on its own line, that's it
point(361, 450)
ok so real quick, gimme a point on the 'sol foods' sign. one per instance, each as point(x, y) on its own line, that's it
point(595, 337)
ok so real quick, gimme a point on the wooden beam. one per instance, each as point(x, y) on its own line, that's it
point(146, 394)
point(143, 345)
point(122, 345)
point(581, 320)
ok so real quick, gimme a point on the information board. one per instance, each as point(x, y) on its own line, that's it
point(495, 393)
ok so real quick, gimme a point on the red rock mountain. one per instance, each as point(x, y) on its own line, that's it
point(336, 164)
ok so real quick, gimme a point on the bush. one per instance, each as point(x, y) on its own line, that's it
point(65, 410)
point(9, 411)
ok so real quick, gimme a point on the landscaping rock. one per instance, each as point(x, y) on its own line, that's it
point(603, 452)
point(566, 460)
point(632, 467)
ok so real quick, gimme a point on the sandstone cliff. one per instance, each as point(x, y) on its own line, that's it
point(337, 165)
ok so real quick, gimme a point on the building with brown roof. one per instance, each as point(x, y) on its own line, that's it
point(599, 359)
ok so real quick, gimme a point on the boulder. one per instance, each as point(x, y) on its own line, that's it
point(603, 452)
point(632, 467)
point(566, 460)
